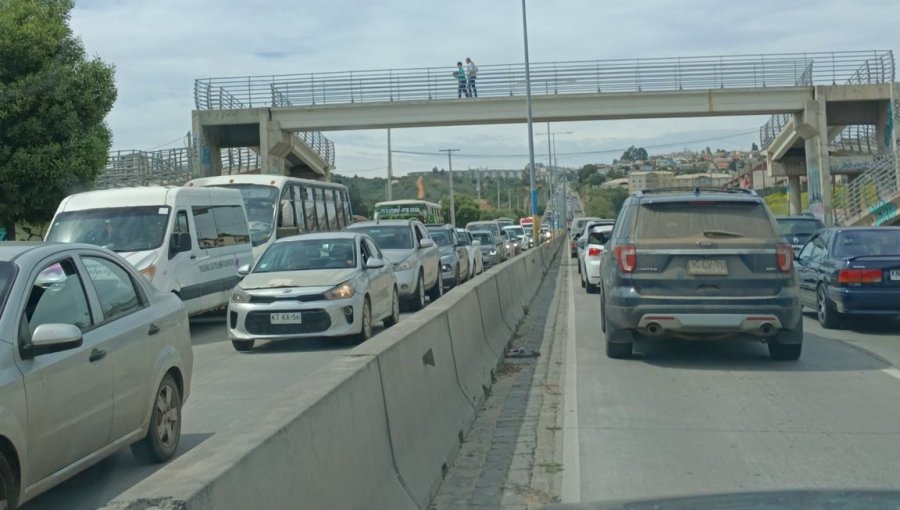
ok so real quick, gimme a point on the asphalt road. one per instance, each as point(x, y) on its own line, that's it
point(690, 418)
point(226, 385)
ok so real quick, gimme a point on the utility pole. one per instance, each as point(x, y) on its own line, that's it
point(450, 171)
point(498, 194)
point(390, 180)
point(533, 194)
point(509, 199)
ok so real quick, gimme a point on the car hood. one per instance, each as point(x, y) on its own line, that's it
point(312, 278)
point(397, 256)
point(447, 251)
point(139, 259)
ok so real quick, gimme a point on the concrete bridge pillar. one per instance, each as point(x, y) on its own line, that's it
point(818, 165)
point(794, 190)
point(274, 146)
point(206, 143)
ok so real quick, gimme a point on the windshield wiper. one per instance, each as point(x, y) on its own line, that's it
point(712, 233)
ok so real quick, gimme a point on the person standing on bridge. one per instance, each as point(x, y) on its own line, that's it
point(460, 74)
point(471, 71)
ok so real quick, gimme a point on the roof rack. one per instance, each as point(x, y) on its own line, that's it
point(695, 190)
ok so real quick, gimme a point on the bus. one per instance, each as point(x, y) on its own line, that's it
point(426, 212)
point(279, 206)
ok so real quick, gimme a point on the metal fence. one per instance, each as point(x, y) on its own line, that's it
point(868, 193)
point(548, 78)
point(167, 167)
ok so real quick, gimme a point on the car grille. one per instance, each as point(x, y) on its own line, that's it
point(314, 321)
point(273, 299)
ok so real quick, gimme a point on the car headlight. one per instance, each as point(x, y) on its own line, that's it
point(445, 268)
point(342, 291)
point(406, 265)
point(149, 272)
point(239, 295)
point(492, 253)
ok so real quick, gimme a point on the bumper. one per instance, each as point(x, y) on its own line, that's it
point(251, 321)
point(703, 317)
point(592, 271)
point(406, 281)
point(862, 301)
point(488, 260)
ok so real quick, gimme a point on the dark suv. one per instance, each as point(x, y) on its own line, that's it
point(699, 263)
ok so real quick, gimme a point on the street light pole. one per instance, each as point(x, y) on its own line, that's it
point(450, 170)
point(536, 223)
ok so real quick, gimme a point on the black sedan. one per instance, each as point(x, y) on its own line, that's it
point(850, 271)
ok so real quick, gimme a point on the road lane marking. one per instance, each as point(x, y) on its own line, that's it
point(571, 482)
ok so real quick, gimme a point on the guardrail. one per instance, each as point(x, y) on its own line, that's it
point(868, 192)
point(548, 78)
point(166, 167)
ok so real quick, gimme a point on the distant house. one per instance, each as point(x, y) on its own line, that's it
point(648, 180)
point(703, 180)
point(616, 183)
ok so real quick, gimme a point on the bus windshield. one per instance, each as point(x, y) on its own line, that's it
point(259, 201)
point(120, 229)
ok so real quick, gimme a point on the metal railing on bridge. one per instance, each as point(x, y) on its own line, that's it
point(166, 167)
point(868, 193)
point(548, 78)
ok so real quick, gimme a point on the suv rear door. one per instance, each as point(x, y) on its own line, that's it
point(707, 248)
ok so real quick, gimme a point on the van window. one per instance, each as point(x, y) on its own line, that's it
point(205, 223)
point(286, 210)
point(231, 225)
point(181, 223)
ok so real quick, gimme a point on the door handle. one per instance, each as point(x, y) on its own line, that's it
point(97, 355)
point(193, 257)
point(154, 329)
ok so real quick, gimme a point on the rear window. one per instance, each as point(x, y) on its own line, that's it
point(801, 226)
point(675, 220)
point(857, 243)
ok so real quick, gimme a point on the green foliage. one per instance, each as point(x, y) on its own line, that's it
point(604, 202)
point(635, 154)
point(778, 202)
point(466, 209)
point(53, 101)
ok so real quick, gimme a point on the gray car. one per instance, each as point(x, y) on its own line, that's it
point(415, 257)
point(699, 264)
point(492, 248)
point(454, 257)
point(492, 226)
point(93, 359)
point(328, 284)
point(473, 248)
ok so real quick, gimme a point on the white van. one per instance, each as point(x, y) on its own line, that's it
point(189, 241)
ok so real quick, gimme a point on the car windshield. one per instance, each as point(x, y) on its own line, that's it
point(397, 237)
point(259, 201)
point(676, 220)
point(7, 277)
point(482, 238)
point(441, 237)
point(491, 227)
point(598, 237)
point(519, 231)
point(120, 229)
point(307, 254)
point(860, 243)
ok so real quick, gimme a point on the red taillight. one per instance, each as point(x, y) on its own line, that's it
point(784, 255)
point(594, 251)
point(846, 276)
point(571, 244)
point(626, 257)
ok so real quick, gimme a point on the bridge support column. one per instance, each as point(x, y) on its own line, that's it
point(274, 146)
point(794, 190)
point(818, 165)
point(206, 143)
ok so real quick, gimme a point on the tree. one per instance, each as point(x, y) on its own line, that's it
point(586, 172)
point(754, 147)
point(466, 209)
point(53, 101)
point(635, 154)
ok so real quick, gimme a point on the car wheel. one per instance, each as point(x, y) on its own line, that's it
point(828, 317)
point(579, 267)
point(581, 279)
point(602, 313)
point(9, 485)
point(619, 342)
point(365, 330)
point(164, 432)
point(590, 288)
point(417, 302)
point(438, 289)
point(243, 345)
point(456, 275)
point(395, 311)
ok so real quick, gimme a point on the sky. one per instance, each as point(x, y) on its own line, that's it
point(160, 47)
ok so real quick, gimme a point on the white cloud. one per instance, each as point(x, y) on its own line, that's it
point(160, 47)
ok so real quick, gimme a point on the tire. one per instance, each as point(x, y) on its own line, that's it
point(590, 288)
point(243, 345)
point(828, 317)
point(456, 282)
point(365, 330)
point(583, 285)
point(602, 313)
point(394, 318)
point(417, 302)
point(438, 290)
point(162, 437)
point(9, 485)
point(784, 352)
point(619, 342)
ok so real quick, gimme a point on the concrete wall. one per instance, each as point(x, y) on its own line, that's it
point(377, 427)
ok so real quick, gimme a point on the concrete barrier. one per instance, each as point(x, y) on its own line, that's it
point(320, 444)
point(376, 428)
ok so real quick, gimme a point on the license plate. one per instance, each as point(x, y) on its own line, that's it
point(895, 274)
point(285, 318)
point(707, 267)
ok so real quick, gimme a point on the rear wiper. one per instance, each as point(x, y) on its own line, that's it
point(712, 233)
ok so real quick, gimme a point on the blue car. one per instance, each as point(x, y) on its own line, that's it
point(850, 271)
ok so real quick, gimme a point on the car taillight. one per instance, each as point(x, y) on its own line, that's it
point(594, 251)
point(571, 244)
point(626, 257)
point(846, 276)
point(784, 254)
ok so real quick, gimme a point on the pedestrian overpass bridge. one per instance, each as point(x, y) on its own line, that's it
point(816, 98)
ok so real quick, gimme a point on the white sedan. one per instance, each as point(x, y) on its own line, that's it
point(93, 359)
point(473, 247)
point(589, 261)
point(313, 285)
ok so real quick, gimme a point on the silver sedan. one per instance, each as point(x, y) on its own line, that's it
point(93, 359)
point(314, 285)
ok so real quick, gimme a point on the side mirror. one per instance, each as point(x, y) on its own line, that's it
point(243, 270)
point(374, 263)
point(179, 242)
point(50, 338)
point(426, 243)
